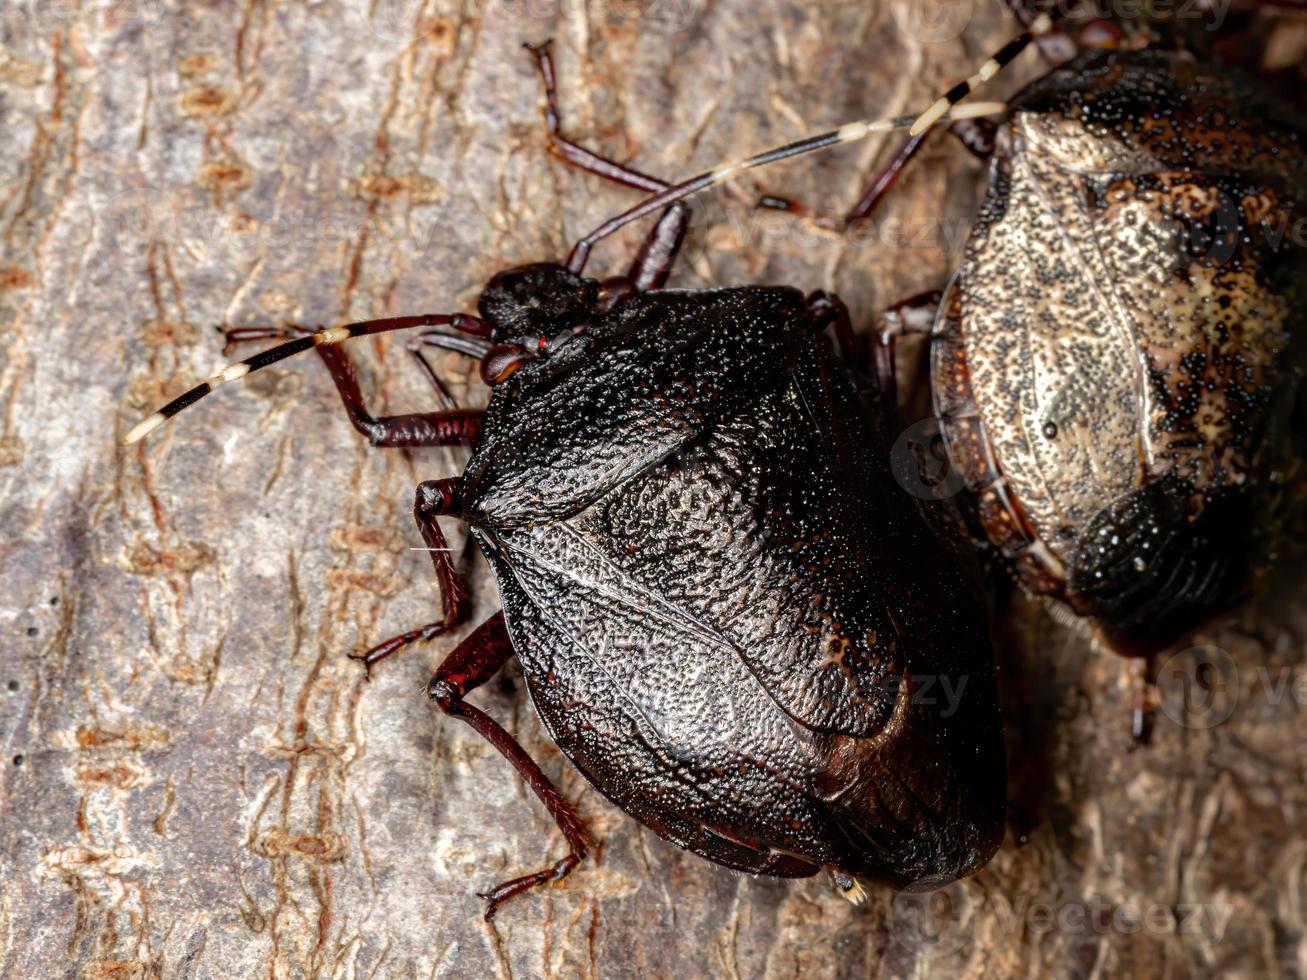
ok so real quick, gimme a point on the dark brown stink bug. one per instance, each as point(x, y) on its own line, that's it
point(728, 615)
point(1118, 361)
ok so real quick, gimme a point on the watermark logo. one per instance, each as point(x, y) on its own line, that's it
point(47, 17)
point(1198, 688)
point(944, 20)
point(920, 463)
point(1124, 917)
point(391, 21)
point(934, 919)
point(131, 219)
point(940, 921)
point(933, 23)
point(1204, 226)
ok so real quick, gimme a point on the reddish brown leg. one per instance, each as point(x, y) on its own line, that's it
point(471, 664)
point(914, 316)
point(880, 186)
point(448, 428)
point(654, 262)
point(572, 153)
point(1143, 718)
point(434, 498)
point(475, 347)
point(829, 310)
point(884, 181)
point(443, 394)
point(977, 135)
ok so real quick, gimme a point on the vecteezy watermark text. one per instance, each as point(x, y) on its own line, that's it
point(941, 922)
point(940, 21)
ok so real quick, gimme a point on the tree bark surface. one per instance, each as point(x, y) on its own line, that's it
point(196, 780)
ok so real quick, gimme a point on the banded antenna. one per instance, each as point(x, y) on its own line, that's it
point(331, 335)
point(946, 107)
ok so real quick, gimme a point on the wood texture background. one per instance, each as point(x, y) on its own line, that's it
point(196, 781)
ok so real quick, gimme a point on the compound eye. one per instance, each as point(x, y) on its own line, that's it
point(503, 360)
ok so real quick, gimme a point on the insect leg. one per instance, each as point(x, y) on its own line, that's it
point(977, 135)
point(880, 186)
point(828, 310)
point(472, 346)
point(915, 317)
point(450, 428)
point(337, 362)
point(1143, 717)
point(433, 429)
point(470, 665)
point(572, 153)
point(654, 262)
point(434, 498)
point(885, 180)
point(947, 106)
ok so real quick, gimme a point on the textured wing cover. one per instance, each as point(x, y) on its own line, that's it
point(1049, 344)
point(741, 643)
point(564, 431)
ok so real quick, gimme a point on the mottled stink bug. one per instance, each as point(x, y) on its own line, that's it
point(1117, 364)
point(1121, 395)
point(727, 612)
